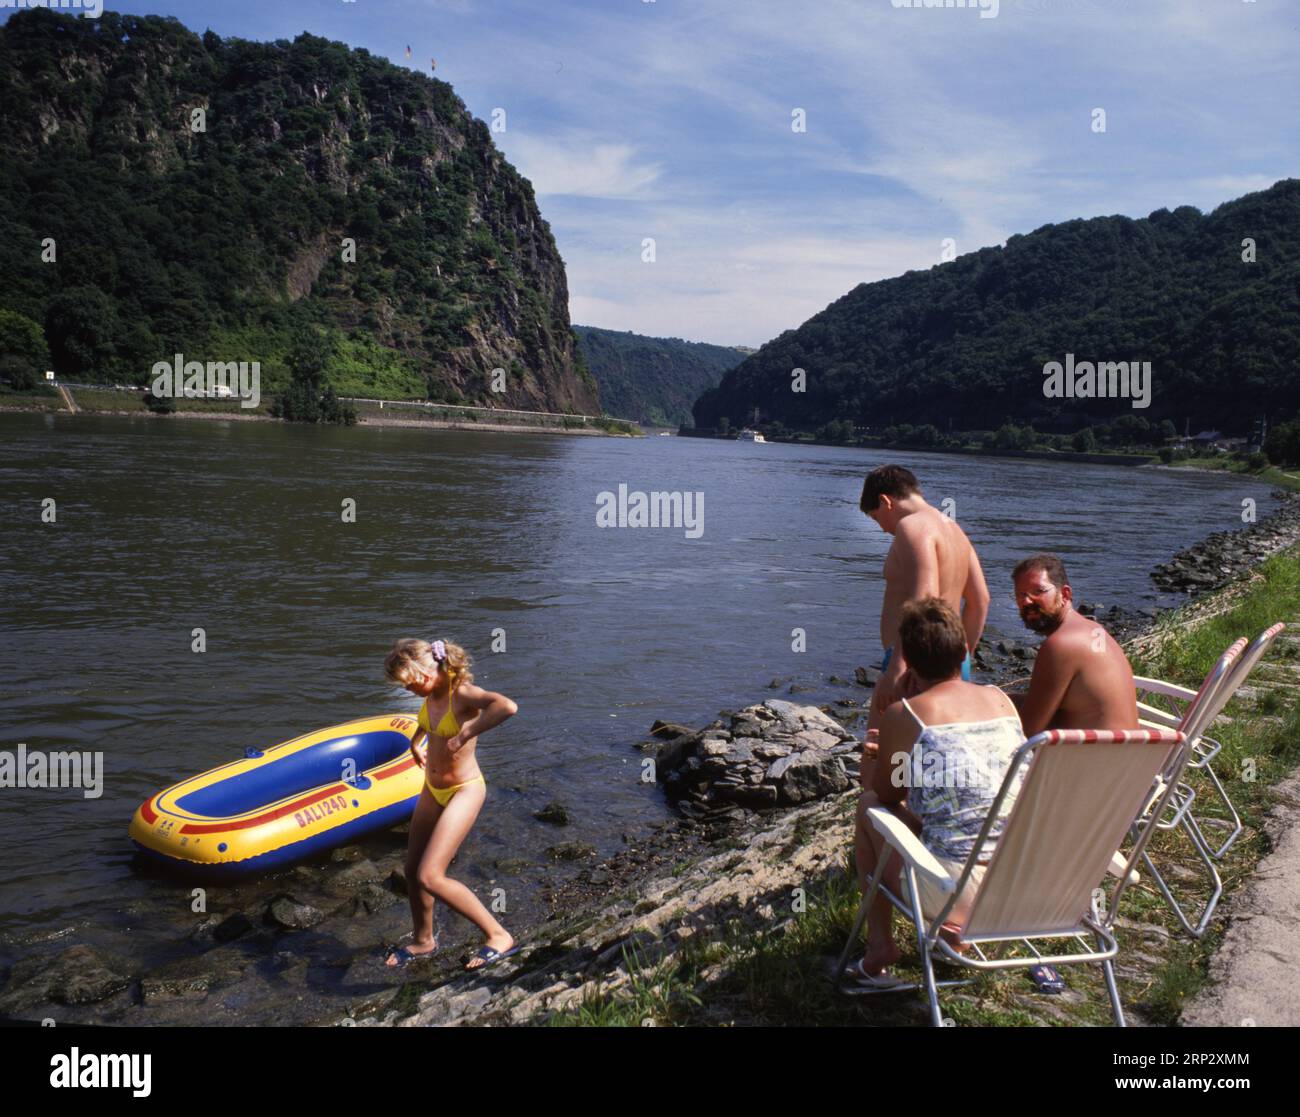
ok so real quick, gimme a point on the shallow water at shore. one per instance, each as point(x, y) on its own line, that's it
point(236, 528)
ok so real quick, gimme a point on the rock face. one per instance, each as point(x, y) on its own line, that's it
point(1226, 555)
point(771, 754)
point(80, 975)
point(319, 184)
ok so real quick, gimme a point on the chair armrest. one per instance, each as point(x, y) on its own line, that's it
point(1116, 867)
point(1158, 686)
point(1153, 718)
point(899, 835)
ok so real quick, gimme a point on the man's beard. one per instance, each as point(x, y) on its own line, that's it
point(1042, 622)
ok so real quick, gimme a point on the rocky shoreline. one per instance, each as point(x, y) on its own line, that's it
point(1227, 555)
point(368, 419)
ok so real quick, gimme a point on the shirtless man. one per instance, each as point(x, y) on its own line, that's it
point(930, 557)
point(1081, 679)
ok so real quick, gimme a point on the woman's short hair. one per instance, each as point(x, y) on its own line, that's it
point(932, 638)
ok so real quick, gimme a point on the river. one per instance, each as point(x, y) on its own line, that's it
point(238, 528)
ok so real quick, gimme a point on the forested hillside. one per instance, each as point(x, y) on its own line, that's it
point(1212, 301)
point(652, 379)
point(162, 193)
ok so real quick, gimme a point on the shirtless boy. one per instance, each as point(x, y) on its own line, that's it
point(1081, 679)
point(930, 557)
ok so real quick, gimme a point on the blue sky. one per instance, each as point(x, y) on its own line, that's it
point(672, 120)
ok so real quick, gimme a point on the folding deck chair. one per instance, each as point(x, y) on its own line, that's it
point(1205, 750)
point(1200, 709)
point(1080, 795)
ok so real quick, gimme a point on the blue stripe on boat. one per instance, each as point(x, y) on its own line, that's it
point(382, 819)
point(312, 767)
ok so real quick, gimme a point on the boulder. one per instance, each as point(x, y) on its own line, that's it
point(808, 775)
point(292, 915)
point(79, 975)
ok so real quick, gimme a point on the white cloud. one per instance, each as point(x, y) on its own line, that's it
point(580, 165)
point(673, 121)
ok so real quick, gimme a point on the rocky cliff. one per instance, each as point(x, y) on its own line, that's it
point(162, 192)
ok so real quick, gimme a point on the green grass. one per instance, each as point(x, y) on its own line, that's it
point(1228, 464)
point(650, 997)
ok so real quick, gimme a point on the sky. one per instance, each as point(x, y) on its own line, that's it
point(676, 120)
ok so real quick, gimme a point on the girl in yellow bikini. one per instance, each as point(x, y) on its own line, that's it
point(454, 713)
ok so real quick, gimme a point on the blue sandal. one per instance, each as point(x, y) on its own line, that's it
point(1047, 978)
point(488, 955)
point(405, 957)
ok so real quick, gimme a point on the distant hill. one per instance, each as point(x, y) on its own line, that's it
point(964, 343)
point(204, 196)
point(653, 379)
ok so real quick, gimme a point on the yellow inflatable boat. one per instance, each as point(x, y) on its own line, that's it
point(287, 802)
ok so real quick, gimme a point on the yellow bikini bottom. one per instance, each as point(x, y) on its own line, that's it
point(442, 795)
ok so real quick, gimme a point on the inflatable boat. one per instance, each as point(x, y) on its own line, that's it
point(288, 802)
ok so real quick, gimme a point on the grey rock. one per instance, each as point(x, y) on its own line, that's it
point(373, 897)
point(746, 724)
point(571, 851)
point(778, 769)
point(554, 812)
point(292, 915)
point(358, 873)
point(669, 755)
point(79, 975)
point(816, 739)
point(811, 775)
point(754, 797)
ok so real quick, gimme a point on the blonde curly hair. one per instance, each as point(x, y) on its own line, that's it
point(410, 656)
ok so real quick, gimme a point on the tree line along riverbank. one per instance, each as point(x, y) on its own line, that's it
point(388, 413)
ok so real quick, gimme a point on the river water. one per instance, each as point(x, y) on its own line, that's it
point(237, 528)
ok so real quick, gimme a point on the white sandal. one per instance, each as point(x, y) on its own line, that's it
point(859, 981)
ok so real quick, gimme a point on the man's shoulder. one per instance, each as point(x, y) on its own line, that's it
point(1058, 647)
point(922, 524)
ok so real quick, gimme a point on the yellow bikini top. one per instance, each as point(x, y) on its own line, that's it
point(448, 727)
